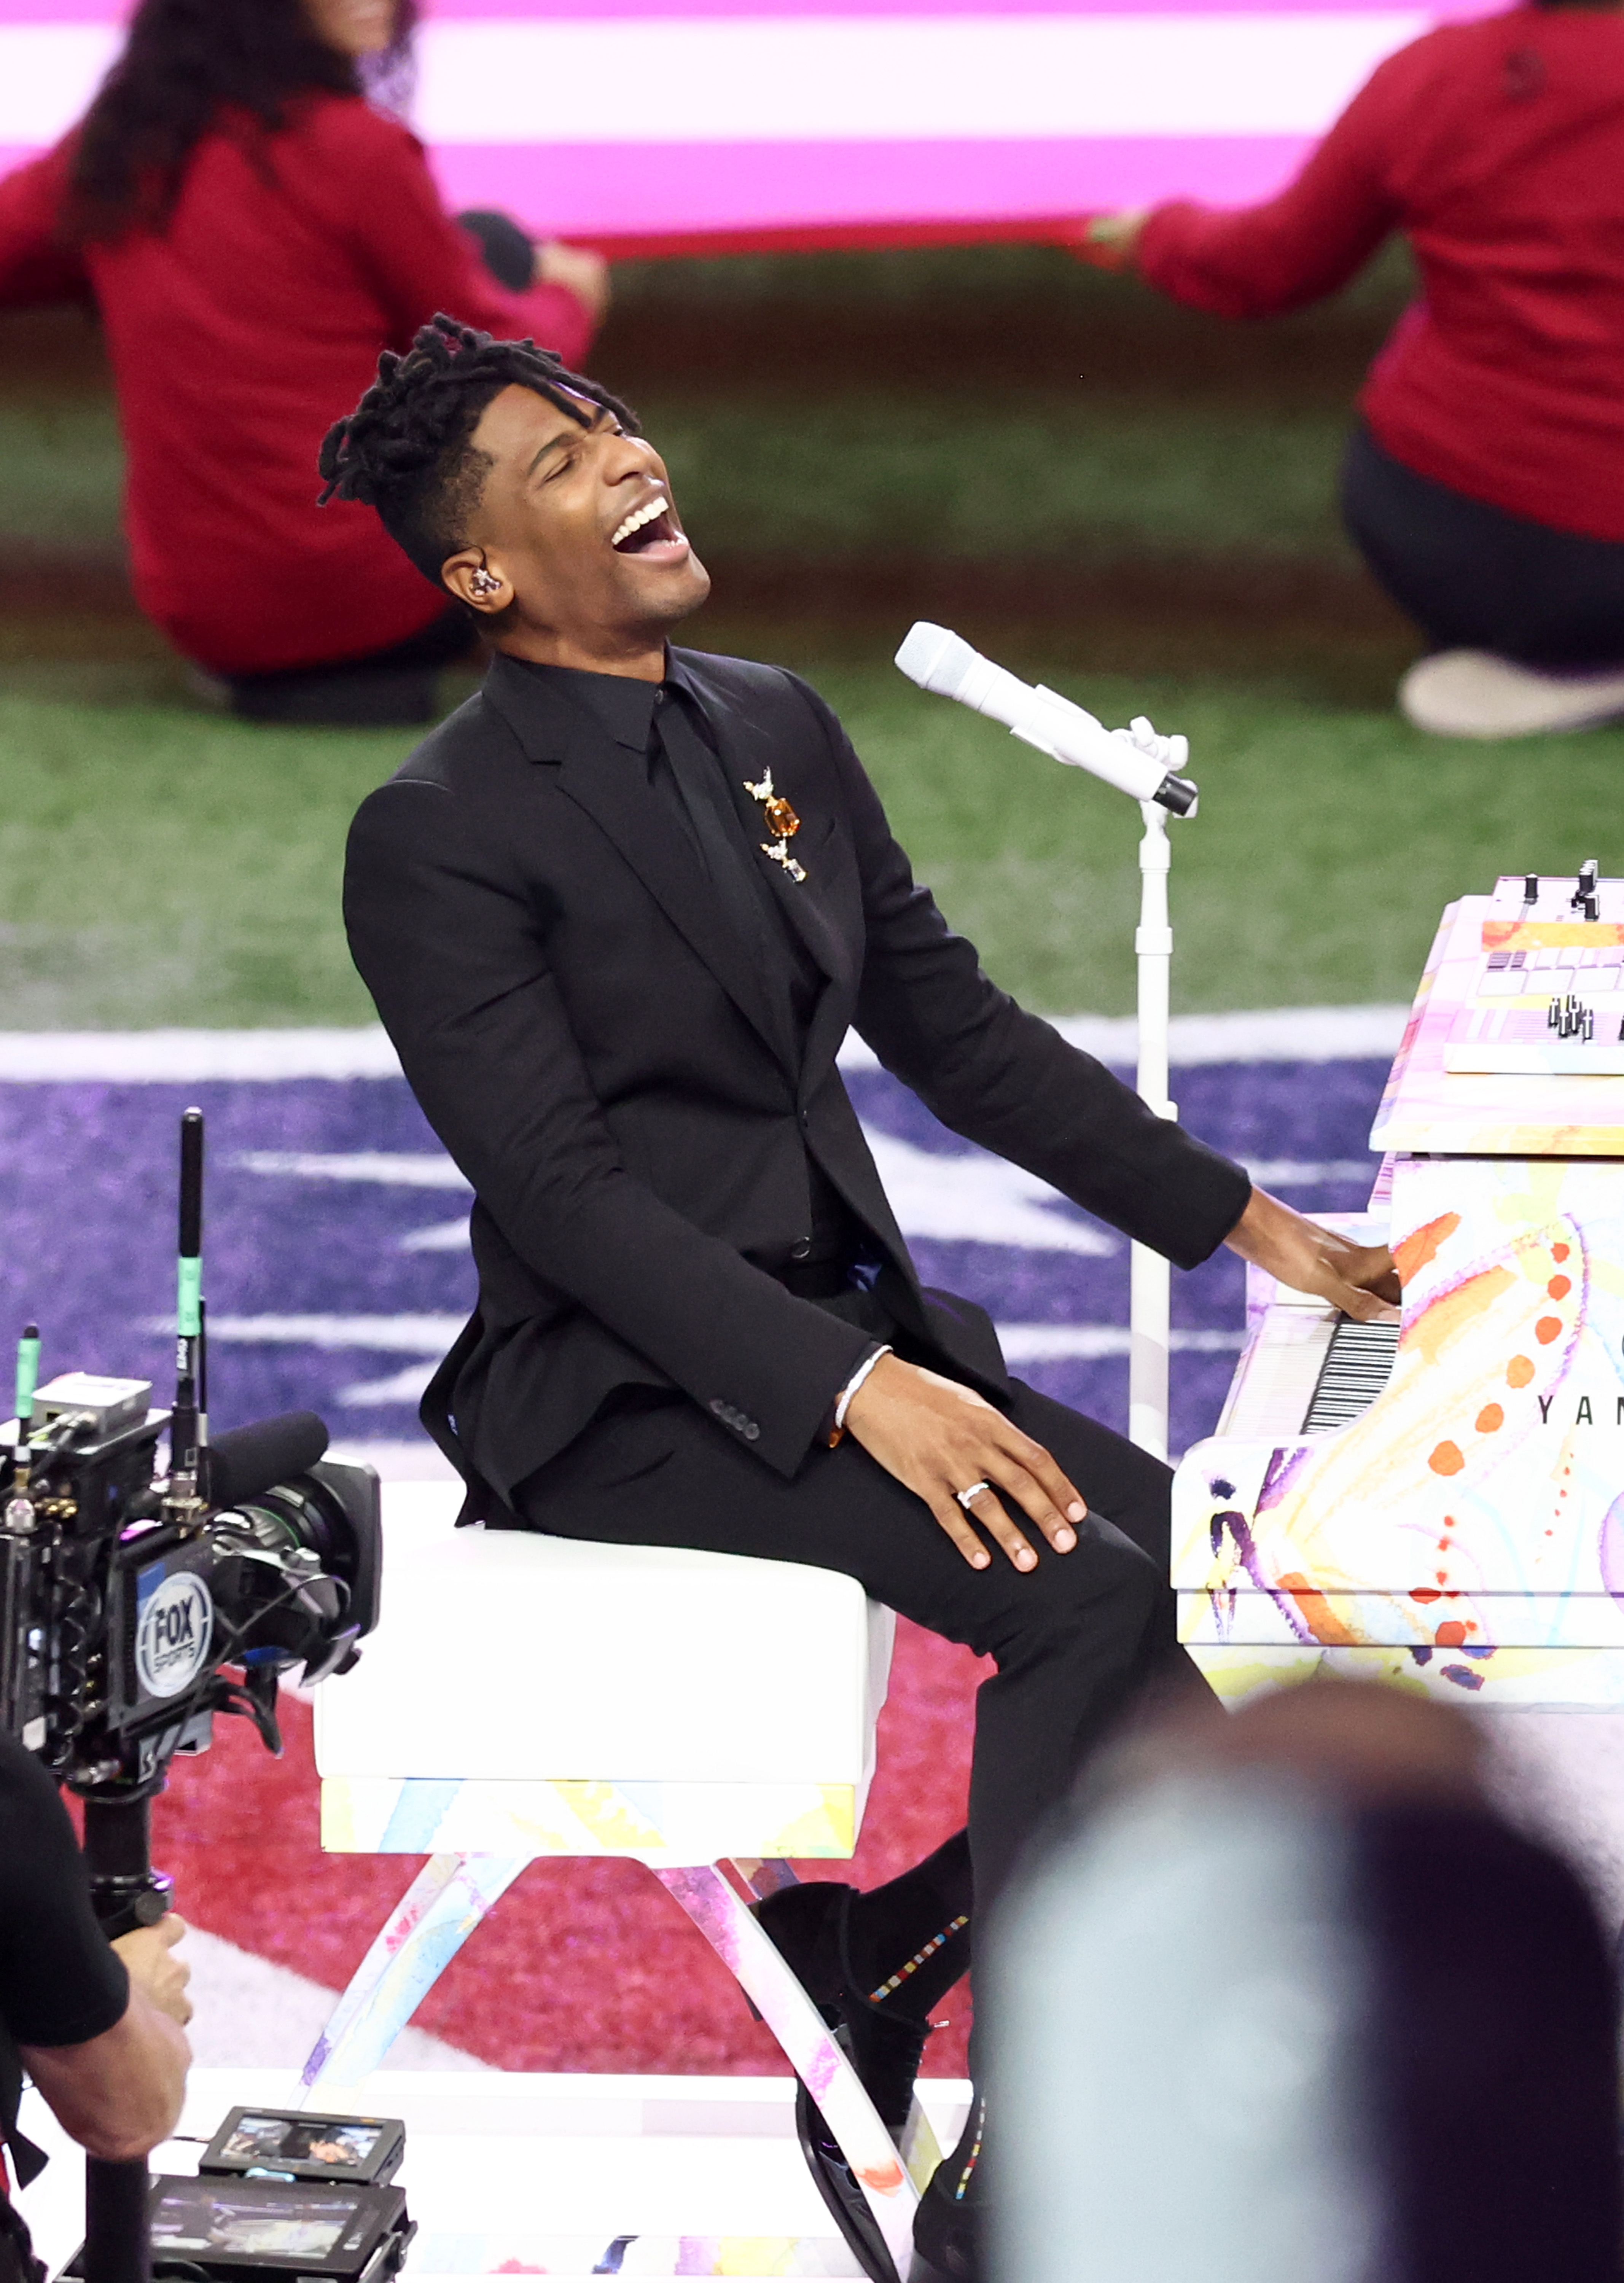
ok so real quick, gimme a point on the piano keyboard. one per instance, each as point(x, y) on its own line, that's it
point(1309, 1369)
point(1358, 1365)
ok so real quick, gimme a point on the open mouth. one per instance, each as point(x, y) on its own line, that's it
point(650, 529)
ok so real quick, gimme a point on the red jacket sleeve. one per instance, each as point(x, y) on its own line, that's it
point(371, 178)
point(36, 265)
point(1265, 260)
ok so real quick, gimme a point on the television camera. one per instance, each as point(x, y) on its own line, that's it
point(137, 1601)
point(143, 1592)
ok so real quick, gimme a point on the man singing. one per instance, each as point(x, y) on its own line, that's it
point(618, 914)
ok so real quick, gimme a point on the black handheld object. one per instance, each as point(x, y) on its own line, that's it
point(117, 2238)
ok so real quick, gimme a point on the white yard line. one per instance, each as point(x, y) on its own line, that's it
point(179, 1057)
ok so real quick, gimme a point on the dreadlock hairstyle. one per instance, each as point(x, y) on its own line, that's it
point(407, 448)
point(183, 61)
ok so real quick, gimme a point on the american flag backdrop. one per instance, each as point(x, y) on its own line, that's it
point(651, 125)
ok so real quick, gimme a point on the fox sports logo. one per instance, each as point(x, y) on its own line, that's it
point(174, 1634)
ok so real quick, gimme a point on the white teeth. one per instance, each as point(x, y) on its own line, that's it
point(645, 514)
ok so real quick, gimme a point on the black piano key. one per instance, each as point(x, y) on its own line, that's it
point(1357, 1366)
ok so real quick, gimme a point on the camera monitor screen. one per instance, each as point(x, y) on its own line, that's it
point(311, 2148)
point(314, 2225)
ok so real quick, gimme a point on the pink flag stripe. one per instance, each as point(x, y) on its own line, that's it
point(1443, 12)
point(640, 198)
point(791, 131)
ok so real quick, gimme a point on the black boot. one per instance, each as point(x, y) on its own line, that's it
point(810, 1925)
point(903, 1945)
point(872, 1976)
point(949, 2227)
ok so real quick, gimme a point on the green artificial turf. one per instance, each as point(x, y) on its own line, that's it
point(1133, 504)
point(163, 867)
point(926, 473)
point(167, 867)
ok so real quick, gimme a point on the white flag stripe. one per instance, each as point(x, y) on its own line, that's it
point(800, 79)
point(48, 75)
point(796, 79)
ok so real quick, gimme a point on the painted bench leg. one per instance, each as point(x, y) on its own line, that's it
point(767, 1980)
point(453, 1893)
point(419, 1940)
point(921, 2151)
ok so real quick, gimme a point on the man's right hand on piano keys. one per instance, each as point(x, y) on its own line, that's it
point(1359, 1279)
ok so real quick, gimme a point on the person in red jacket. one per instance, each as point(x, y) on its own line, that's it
point(253, 231)
point(1485, 483)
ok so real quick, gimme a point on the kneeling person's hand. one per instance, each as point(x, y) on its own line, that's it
point(938, 1439)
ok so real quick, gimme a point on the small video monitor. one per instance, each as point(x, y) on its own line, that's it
point(295, 2144)
point(229, 2228)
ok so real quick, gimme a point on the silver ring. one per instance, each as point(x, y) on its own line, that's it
point(975, 1490)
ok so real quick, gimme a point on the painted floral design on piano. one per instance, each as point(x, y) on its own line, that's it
point(1470, 1520)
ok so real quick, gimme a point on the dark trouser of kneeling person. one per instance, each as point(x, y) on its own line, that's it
point(1291, 1997)
point(618, 914)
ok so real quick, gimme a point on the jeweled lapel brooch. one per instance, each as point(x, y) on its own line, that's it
point(781, 819)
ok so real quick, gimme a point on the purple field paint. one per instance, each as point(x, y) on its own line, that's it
point(87, 1212)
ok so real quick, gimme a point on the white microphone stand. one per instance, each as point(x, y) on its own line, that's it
point(1139, 763)
point(1149, 1296)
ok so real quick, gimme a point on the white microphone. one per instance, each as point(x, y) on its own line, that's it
point(1136, 761)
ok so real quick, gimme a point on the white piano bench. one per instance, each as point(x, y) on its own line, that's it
point(525, 1695)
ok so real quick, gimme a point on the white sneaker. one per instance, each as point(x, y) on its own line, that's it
point(1471, 693)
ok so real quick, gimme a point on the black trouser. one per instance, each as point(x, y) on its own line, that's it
point(1074, 1639)
point(1475, 578)
point(386, 688)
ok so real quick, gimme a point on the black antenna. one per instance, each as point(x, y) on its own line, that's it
point(188, 1425)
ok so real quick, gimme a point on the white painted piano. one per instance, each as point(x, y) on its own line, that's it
point(1442, 1503)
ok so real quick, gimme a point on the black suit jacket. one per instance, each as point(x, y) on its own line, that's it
point(602, 1058)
